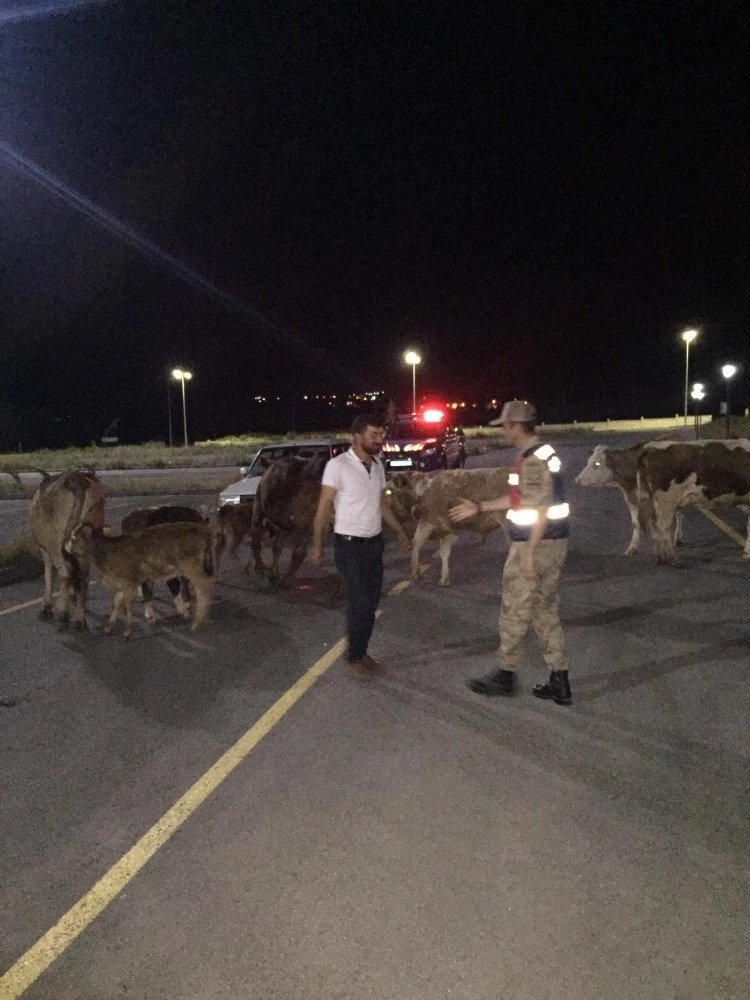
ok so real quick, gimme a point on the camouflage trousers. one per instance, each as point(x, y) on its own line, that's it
point(534, 603)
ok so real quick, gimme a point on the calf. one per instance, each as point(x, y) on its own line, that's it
point(60, 504)
point(428, 498)
point(145, 517)
point(619, 468)
point(286, 502)
point(235, 523)
point(701, 473)
point(160, 552)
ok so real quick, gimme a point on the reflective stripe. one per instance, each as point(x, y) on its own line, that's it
point(512, 479)
point(544, 451)
point(559, 510)
point(526, 516)
point(554, 464)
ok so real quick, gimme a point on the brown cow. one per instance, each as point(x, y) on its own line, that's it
point(235, 523)
point(59, 505)
point(700, 473)
point(429, 496)
point(145, 517)
point(285, 502)
point(157, 553)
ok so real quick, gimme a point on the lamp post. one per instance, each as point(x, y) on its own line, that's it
point(183, 376)
point(413, 359)
point(728, 371)
point(169, 409)
point(688, 336)
point(697, 393)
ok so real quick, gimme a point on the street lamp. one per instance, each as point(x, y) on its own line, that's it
point(688, 336)
point(413, 359)
point(728, 371)
point(183, 376)
point(697, 393)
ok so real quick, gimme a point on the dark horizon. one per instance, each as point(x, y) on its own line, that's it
point(537, 199)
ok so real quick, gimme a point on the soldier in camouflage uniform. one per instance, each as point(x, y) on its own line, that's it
point(538, 528)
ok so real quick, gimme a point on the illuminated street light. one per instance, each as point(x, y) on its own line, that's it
point(183, 376)
point(413, 359)
point(697, 393)
point(728, 371)
point(688, 336)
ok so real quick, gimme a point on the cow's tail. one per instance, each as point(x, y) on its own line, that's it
point(212, 554)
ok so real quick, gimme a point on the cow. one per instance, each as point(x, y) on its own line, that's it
point(675, 475)
point(160, 552)
point(429, 496)
point(59, 505)
point(235, 523)
point(144, 517)
point(618, 467)
point(286, 502)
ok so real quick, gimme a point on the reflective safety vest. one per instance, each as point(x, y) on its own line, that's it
point(522, 519)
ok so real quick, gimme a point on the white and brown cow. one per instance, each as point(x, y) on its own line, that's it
point(675, 475)
point(160, 552)
point(618, 468)
point(145, 517)
point(429, 496)
point(60, 504)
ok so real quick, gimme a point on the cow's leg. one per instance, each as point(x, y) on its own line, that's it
point(746, 550)
point(678, 518)
point(116, 605)
point(256, 537)
point(147, 595)
point(179, 588)
point(46, 611)
point(203, 591)
point(637, 521)
point(663, 531)
point(422, 533)
point(298, 557)
point(128, 598)
point(274, 574)
point(444, 551)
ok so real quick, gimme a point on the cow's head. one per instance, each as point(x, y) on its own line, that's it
point(595, 472)
point(400, 492)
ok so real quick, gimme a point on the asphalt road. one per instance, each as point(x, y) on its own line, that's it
point(401, 839)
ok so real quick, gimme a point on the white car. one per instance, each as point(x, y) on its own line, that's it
point(243, 491)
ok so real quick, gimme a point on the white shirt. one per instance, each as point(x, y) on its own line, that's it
point(358, 494)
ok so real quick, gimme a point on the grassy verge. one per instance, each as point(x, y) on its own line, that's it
point(20, 555)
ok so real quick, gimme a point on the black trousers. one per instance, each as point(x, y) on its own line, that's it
point(360, 563)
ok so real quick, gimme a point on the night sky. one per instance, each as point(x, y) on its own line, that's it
point(538, 197)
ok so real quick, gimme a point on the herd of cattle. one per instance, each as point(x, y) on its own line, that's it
point(180, 545)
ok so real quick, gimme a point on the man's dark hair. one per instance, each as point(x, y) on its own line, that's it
point(364, 420)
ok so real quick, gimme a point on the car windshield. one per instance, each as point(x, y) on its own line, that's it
point(412, 430)
point(267, 455)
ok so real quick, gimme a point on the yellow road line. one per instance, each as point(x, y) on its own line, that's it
point(20, 607)
point(51, 945)
point(723, 526)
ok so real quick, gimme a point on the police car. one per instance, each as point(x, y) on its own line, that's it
point(423, 442)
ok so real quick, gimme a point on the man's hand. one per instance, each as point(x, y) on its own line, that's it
point(463, 510)
point(316, 555)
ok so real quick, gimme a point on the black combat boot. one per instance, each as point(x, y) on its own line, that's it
point(501, 682)
point(556, 689)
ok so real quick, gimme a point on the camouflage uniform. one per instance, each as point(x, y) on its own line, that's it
point(533, 602)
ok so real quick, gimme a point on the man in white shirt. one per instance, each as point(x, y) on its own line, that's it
point(354, 488)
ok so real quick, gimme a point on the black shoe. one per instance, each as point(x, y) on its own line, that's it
point(556, 689)
point(501, 682)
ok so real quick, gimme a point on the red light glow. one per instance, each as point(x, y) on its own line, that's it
point(433, 416)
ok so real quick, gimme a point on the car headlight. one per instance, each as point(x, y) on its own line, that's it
point(229, 500)
point(429, 451)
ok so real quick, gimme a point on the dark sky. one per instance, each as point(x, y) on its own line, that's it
point(538, 196)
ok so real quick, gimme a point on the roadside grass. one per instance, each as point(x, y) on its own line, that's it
point(21, 553)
